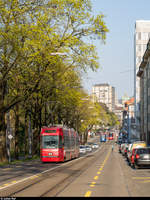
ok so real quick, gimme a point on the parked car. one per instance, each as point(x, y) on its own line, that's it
point(88, 148)
point(131, 158)
point(129, 152)
point(142, 157)
point(119, 149)
point(82, 149)
point(119, 140)
point(137, 144)
point(123, 145)
point(124, 149)
point(95, 146)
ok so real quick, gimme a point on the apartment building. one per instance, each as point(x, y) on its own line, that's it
point(141, 37)
point(104, 93)
point(144, 76)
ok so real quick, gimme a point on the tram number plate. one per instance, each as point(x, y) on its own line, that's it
point(50, 154)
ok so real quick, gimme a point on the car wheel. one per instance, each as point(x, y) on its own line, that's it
point(132, 165)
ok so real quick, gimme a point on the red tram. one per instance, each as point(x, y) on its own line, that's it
point(58, 144)
point(110, 136)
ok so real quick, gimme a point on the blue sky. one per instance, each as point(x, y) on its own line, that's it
point(117, 55)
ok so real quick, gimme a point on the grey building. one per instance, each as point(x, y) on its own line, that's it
point(144, 76)
point(141, 37)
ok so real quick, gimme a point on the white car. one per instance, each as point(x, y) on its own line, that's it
point(95, 146)
point(88, 148)
point(82, 149)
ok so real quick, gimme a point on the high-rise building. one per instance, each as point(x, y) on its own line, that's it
point(141, 37)
point(104, 93)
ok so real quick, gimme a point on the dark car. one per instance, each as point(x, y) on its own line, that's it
point(119, 149)
point(142, 157)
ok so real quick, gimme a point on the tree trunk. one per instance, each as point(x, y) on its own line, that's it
point(3, 151)
point(17, 132)
point(26, 134)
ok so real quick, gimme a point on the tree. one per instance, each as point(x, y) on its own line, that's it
point(30, 31)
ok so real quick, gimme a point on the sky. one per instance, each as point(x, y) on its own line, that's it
point(116, 57)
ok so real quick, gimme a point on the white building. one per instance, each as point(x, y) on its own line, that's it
point(104, 93)
point(141, 37)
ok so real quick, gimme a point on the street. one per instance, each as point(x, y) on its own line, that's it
point(99, 173)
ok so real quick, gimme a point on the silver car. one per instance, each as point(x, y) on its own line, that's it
point(95, 146)
point(82, 149)
point(142, 157)
point(88, 148)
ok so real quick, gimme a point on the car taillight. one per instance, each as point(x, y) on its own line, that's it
point(137, 156)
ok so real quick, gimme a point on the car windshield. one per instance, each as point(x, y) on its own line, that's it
point(50, 141)
point(143, 151)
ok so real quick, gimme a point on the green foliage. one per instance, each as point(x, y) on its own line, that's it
point(33, 73)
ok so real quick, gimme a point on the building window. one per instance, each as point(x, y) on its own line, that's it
point(144, 36)
point(138, 59)
point(138, 36)
point(144, 47)
point(138, 47)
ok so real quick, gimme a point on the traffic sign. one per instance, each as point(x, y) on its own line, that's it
point(10, 137)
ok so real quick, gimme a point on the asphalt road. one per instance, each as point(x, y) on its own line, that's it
point(102, 173)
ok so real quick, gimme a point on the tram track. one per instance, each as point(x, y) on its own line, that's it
point(65, 174)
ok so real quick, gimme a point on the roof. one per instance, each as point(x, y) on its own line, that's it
point(130, 101)
point(101, 84)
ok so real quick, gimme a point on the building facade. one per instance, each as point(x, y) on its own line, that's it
point(141, 37)
point(104, 93)
point(144, 76)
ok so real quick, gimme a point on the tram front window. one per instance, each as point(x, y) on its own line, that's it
point(50, 141)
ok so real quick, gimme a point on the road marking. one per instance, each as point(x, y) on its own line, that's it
point(140, 177)
point(88, 194)
point(92, 185)
point(96, 177)
point(33, 177)
point(146, 181)
point(14, 182)
point(6, 184)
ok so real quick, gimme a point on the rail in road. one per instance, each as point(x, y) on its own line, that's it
point(59, 175)
point(100, 173)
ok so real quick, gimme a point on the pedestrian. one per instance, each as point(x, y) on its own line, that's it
point(112, 147)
